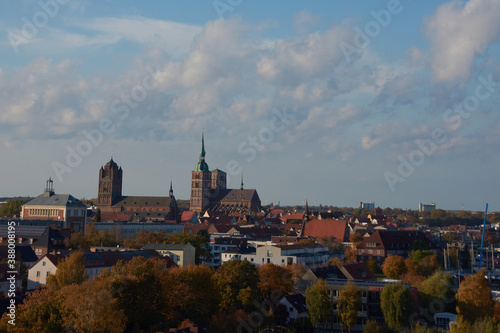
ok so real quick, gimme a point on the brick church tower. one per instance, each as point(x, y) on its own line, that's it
point(110, 184)
point(201, 179)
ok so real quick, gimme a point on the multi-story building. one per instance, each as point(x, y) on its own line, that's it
point(308, 255)
point(367, 205)
point(426, 207)
point(56, 207)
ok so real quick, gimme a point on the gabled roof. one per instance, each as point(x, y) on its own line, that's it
point(391, 239)
point(187, 215)
point(237, 195)
point(56, 200)
point(326, 228)
point(357, 271)
point(25, 253)
point(298, 301)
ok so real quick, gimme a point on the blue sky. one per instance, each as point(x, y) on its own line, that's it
point(335, 102)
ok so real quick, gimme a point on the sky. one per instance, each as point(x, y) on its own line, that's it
point(336, 102)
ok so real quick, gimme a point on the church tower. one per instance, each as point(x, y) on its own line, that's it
point(201, 179)
point(110, 184)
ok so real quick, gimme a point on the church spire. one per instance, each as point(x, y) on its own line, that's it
point(171, 192)
point(241, 185)
point(202, 165)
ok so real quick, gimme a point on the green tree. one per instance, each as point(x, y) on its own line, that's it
point(393, 266)
point(474, 298)
point(397, 305)
point(70, 270)
point(348, 304)
point(372, 265)
point(11, 207)
point(97, 216)
point(437, 289)
point(373, 326)
point(236, 281)
point(318, 303)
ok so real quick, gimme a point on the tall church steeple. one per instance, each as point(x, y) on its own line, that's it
point(171, 192)
point(241, 185)
point(202, 165)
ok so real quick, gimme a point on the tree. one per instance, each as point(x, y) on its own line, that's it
point(355, 238)
point(437, 289)
point(372, 326)
point(70, 270)
point(11, 207)
point(274, 282)
point(91, 307)
point(397, 305)
point(474, 298)
point(42, 311)
point(296, 272)
point(97, 216)
point(393, 266)
point(349, 303)
point(236, 281)
point(185, 289)
point(351, 255)
point(318, 302)
point(372, 265)
point(77, 241)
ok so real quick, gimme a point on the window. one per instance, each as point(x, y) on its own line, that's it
point(37, 273)
point(47, 275)
point(43, 263)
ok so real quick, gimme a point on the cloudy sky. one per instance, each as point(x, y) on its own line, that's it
point(335, 102)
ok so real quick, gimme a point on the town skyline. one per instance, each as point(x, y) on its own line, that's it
point(392, 102)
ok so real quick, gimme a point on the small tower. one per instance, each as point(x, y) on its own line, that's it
point(49, 188)
point(110, 184)
point(171, 192)
point(241, 185)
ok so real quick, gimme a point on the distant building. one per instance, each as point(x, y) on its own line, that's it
point(182, 254)
point(367, 205)
point(426, 207)
point(128, 229)
point(209, 192)
point(140, 208)
point(56, 207)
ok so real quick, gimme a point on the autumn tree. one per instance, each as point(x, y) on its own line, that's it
point(77, 241)
point(296, 272)
point(318, 302)
point(185, 289)
point(348, 304)
point(372, 265)
point(70, 270)
point(41, 311)
point(393, 266)
point(97, 216)
point(351, 255)
point(236, 281)
point(137, 284)
point(274, 282)
point(397, 305)
point(474, 298)
point(91, 307)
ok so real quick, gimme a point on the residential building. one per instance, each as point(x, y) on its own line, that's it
point(127, 229)
point(339, 229)
point(296, 306)
point(182, 254)
point(397, 242)
point(42, 240)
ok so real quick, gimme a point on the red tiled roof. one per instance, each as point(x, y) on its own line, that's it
point(358, 271)
point(115, 217)
point(327, 228)
point(187, 215)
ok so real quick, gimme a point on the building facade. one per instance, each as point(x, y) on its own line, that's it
point(56, 207)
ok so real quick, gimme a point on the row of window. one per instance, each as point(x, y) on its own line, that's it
point(43, 211)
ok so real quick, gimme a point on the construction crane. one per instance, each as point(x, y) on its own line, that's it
point(482, 239)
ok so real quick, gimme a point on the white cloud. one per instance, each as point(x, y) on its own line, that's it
point(458, 33)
